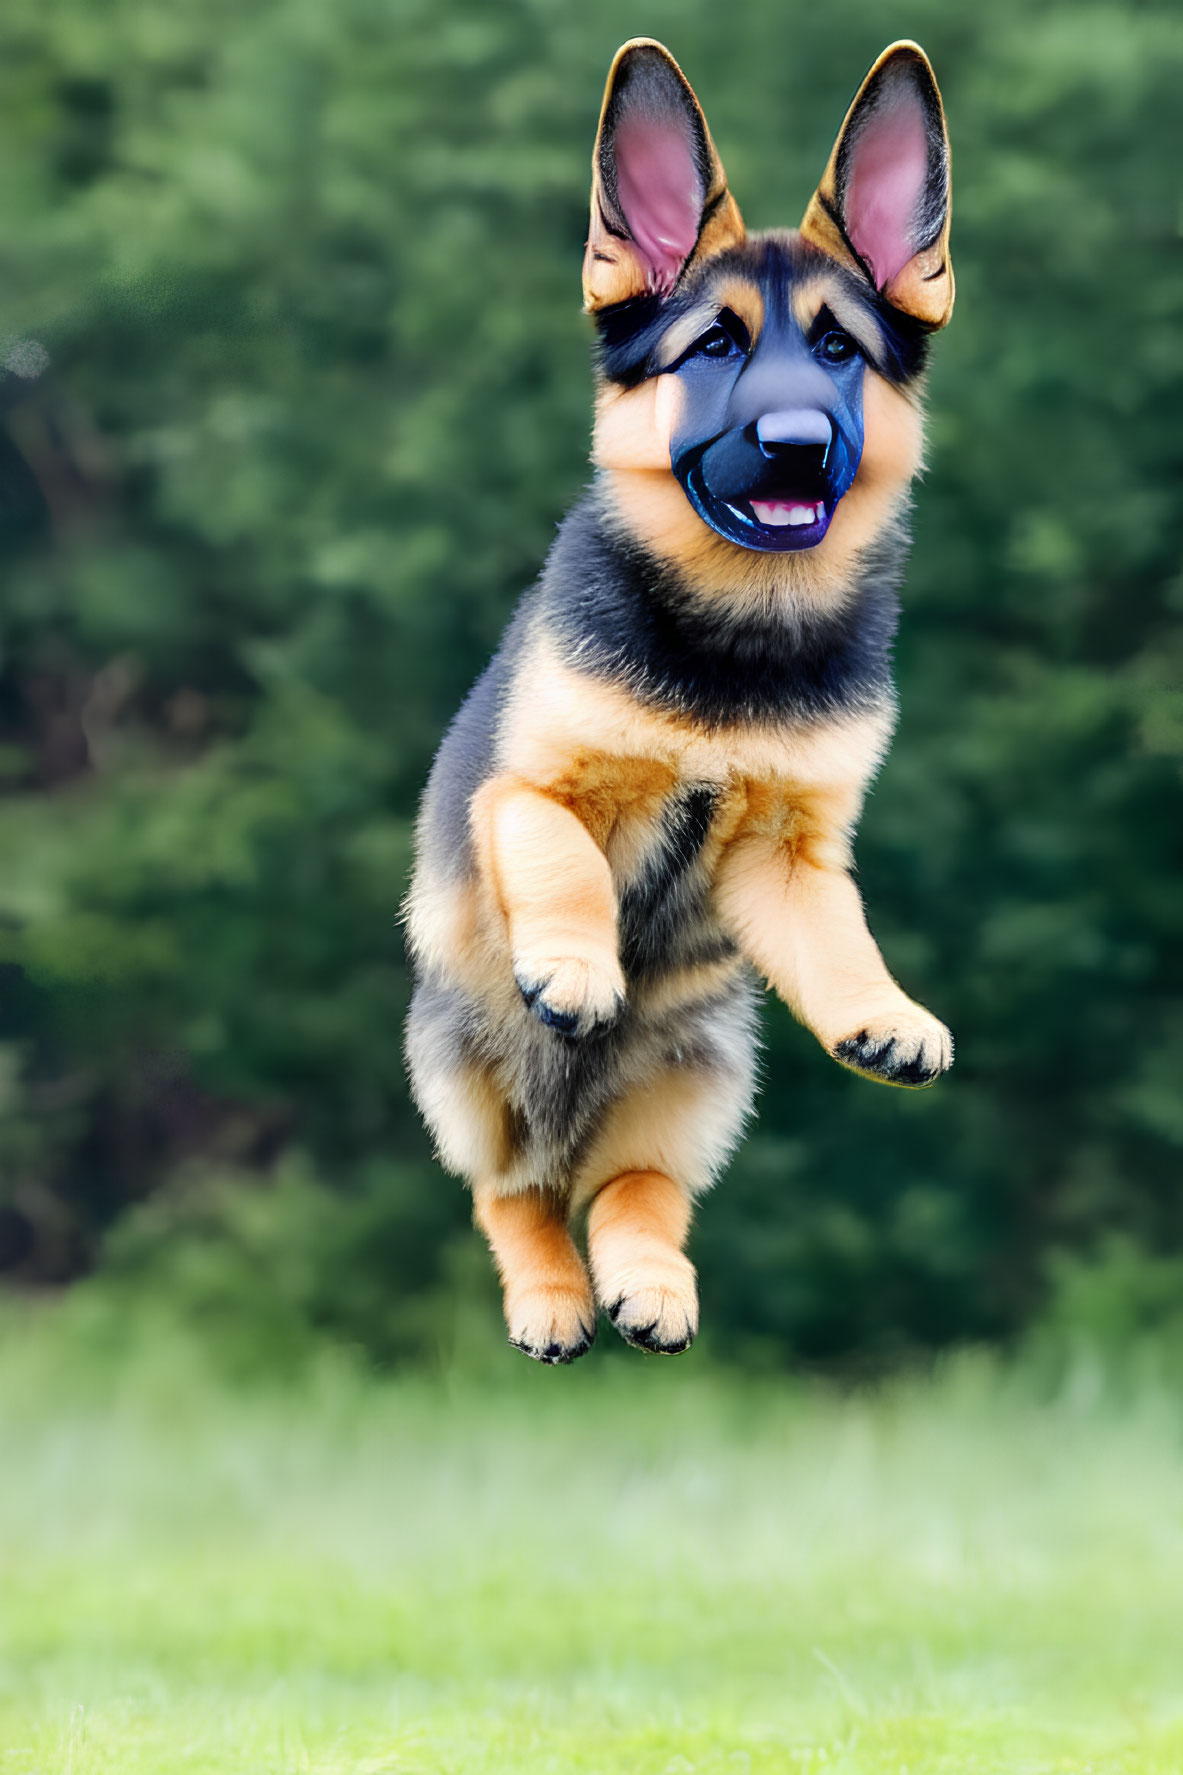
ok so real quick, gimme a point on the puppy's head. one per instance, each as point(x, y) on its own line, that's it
point(758, 394)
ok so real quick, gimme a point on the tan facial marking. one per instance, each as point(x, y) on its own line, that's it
point(893, 454)
point(725, 291)
point(821, 291)
point(688, 327)
point(633, 426)
point(744, 299)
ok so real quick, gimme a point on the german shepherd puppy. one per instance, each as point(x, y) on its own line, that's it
point(647, 801)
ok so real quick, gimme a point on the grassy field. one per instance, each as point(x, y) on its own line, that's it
point(628, 1566)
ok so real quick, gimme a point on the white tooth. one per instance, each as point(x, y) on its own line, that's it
point(801, 514)
point(768, 513)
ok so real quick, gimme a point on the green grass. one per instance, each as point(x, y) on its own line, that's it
point(634, 1566)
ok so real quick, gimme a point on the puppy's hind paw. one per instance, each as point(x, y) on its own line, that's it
point(551, 1323)
point(661, 1320)
point(652, 1301)
point(570, 996)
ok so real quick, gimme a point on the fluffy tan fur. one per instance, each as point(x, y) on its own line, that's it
point(549, 1307)
point(642, 1277)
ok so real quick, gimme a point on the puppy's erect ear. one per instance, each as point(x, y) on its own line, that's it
point(659, 193)
point(883, 206)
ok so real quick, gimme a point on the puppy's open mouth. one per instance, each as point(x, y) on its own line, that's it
point(779, 524)
point(775, 509)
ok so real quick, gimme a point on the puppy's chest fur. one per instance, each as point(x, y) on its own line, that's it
point(666, 801)
point(669, 742)
point(663, 835)
point(673, 726)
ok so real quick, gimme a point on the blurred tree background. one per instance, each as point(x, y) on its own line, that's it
point(295, 389)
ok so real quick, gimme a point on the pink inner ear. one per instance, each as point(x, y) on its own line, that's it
point(660, 194)
point(885, 184)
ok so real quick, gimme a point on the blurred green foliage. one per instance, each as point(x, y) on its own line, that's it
point(295, 390)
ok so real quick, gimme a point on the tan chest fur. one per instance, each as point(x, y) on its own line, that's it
point(616, 763)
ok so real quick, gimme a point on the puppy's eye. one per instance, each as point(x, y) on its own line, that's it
point(838, 347)
point(715, 342)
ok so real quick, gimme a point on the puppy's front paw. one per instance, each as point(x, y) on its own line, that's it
point(571, 996)
point(907, 1047)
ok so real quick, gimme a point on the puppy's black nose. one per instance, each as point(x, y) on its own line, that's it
point(795, 429)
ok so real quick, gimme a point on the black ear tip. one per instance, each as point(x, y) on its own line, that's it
point(644, 77)
point(645, 64)
point(643, 46)
point(906, 59)
point(908, 49)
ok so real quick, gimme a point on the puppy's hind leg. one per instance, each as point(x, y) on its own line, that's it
point(643, 1278)
point(658, 1149)
point(549, 1310)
